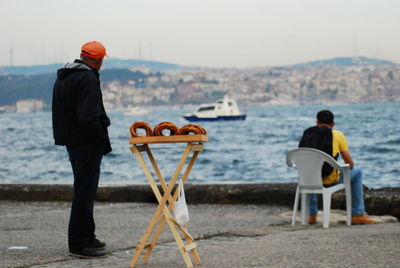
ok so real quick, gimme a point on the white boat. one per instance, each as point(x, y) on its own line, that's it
point(135, 110)
point(225, 109)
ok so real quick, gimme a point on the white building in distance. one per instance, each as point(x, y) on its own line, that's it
point(29, 105)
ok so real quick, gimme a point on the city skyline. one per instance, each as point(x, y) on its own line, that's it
point(200, 33)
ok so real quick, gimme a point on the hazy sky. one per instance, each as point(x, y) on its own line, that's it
point(214, 33)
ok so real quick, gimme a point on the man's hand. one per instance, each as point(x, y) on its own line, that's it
point(347, 158)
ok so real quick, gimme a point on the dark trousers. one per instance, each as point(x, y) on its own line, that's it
point(85, 162)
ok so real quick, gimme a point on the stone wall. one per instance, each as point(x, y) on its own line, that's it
point(384, 201)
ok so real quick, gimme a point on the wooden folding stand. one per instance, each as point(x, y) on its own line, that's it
point(166, 201)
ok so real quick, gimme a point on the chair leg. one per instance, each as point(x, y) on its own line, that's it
point(307, 211)
point(348, 205)
point(327, 209)
point(295, 207)
point(305, 203)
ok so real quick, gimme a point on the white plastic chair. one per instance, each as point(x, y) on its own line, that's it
point(308, 163)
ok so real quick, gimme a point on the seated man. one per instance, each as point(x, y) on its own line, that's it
point(325, 123)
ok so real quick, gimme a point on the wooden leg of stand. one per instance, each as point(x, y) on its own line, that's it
point(143, 240)
point(178, 240)
point(147, 172)
point(158, 173)
point(186, 174)
point(155, 238)
point(190, 241)
point(195, 256)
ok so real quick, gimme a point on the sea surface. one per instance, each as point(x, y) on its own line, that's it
point(238, 151)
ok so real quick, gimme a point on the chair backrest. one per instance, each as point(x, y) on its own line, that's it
point(308, 162)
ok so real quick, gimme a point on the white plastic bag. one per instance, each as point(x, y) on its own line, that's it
point(180, 208)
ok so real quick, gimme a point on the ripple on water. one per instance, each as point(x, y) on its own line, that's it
point(381, 150)
point(394, 142)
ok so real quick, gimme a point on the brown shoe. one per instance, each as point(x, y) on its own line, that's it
point(361, 219)
point(312, 219)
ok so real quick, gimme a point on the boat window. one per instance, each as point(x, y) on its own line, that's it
point(230, 103)
point(220, 101)
point(207, 108)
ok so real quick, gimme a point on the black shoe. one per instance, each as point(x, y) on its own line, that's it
point(98, 244)
point(88, 253)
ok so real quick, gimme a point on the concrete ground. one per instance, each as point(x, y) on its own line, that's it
point(34, 234)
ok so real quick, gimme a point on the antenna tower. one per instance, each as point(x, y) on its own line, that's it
point(11, 55)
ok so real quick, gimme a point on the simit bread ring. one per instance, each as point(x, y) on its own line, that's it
point(165, 125)
point(142, 125)
point(194, 128)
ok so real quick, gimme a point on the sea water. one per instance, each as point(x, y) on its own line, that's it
point(252, 150)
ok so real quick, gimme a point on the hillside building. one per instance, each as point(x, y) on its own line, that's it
point(29, 105)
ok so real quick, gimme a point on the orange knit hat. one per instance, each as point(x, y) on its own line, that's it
point(93, 49)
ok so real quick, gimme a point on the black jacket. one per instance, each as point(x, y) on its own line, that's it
point(78, 111)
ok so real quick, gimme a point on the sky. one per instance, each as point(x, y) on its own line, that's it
point(207, 33)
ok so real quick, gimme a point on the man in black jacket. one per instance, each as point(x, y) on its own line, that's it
point(80, 123)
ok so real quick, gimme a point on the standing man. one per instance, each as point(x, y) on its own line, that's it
point(80, 123)
point(337, 144)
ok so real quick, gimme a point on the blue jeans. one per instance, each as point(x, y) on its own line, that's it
point(357, 195)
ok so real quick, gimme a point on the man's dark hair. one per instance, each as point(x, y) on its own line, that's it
point(325, 117)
